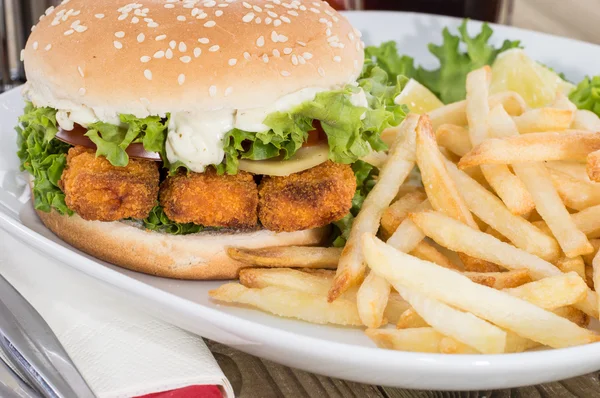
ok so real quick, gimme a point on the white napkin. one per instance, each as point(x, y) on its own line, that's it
point(120, 351)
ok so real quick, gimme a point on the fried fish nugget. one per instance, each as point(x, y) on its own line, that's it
point(309, 199)
point(97, 190)
point(212, 200)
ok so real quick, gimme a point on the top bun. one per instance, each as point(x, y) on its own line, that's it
point(152, 57)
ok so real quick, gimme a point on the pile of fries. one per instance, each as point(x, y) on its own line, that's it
point(495, 253)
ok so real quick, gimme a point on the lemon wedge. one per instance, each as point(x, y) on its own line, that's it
point(418, 98)
point(513, 70)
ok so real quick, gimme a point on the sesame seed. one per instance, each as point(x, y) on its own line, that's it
point(145, 59)
point(49, 10)
point(82, 91)
point(246, 5)
point(159, 54)
point(283, 38)
point(337, 58)
point(301, 60)
point(269, 6)
point(118, 44)
point(257, 8)
point(356, 64)
point(210, 4)
point(302, 7)
point(80, 28)
point(123, 16)
point(272, 14)
point(186, 59)
point(247, 55)
point(321, 71)
point(169, 54)
point(265, 58)
point(135, 20)
point(228, 91)
point(152, 24)
point(285, 19)
point(99, 16)
point(148, 74)
point(285, 73)
point(169, 5)
point(80, 71)
point(120, 35)
point(358, 46)
point(75, 23)
point(172, 44)
point(274, 37)
point(357, 32)
point(212, 91)
point(35, 45)
point(294, 59)
point(232, 61)
point(276, 53)
point(335, 19)
point(314, 10)
point(182, 47)
point(141, 37)
point(210, 24)
point(276, 22)
point(328, 32)
point(293, 13)
point(218, 13)
point(260, 41)
point(268, 20)
point(22, 55)
point(197, 52)
point(203, 40)
point(278, 2)
point(287, 51)
point(307, 55)
point(69, 32)
point(48, 47)
point(316, 4)
point(181, 18)
point(214, 48)
point(181, 79)
point(223, 5)
point(248, 17)
point(351, 36)
point(333, 38)
point(258, 20)
point(202, 15)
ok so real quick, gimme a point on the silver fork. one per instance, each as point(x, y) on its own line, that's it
point(34, 350)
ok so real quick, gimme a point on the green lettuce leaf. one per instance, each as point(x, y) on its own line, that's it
point(448, 81)
point(43, 157)
point(157, 220)
point(587, 94)
point(365, 181)
point(112, 141)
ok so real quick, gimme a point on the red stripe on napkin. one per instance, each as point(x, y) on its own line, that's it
point(189, 392)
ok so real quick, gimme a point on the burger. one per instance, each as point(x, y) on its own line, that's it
point(158, 133)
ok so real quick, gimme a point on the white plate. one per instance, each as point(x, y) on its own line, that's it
point(337, 352)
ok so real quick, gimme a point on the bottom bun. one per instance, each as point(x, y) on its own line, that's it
point(197, 256)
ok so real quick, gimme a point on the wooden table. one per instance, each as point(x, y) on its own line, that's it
point(253, 377)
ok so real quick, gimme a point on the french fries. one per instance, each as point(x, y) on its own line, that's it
point(401, 160)
point(588, 221)
point(553, 292)
point(456, 113)
point(575, 193)
point(454, 138)
point(493, 212)
point(519, 316)
point(428, 252)
point(407, 236)
point(396, 213)
point(410, 319)
point(574, 170)
point(572, 145)
point(548, 204)
point(500, 280)
point(371, 299)
point(593, 166)
point(288, 256)
point(291, 304)
point(414, 339)
point(596, 272)
point(586, 120)
point(544, 119)
point(572, 264)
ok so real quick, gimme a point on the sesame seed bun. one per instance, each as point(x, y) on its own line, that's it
point(197, 257)
point(160, 56)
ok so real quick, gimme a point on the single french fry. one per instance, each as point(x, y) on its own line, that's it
point(495, 306)
point(428, 252)
point(593, 166)
point(375, 158)
point(450, 346)
point(548, 204)
point(454, 138)
point(553, 292)
point(455, 113)
point(455, 236)
point(288, 256)
point(575, 194)
point(414, 339)
point(407, 236)
point(572, 145)
point(478, 108)
point(441, 190)
point(574, 315)
point(544, 119)
point(572, 264)
point(516, 343)
point(493, 212)
point(291, 304)
point(596, 272)
point(371, 299)
point(588, 221)
point(500, 280)
point(586, 120)
point(401, 161)
point(588, 258)
point(508, 186)
point(396, 213)
point(411, 319)
point(589, 275)
point(572, 169)
point(461, 326)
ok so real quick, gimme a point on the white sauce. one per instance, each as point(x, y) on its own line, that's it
point(196, 139)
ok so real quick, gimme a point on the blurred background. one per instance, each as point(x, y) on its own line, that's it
point(577, 19)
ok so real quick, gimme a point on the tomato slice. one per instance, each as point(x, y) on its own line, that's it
point(316, 136)
point(77, 137)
